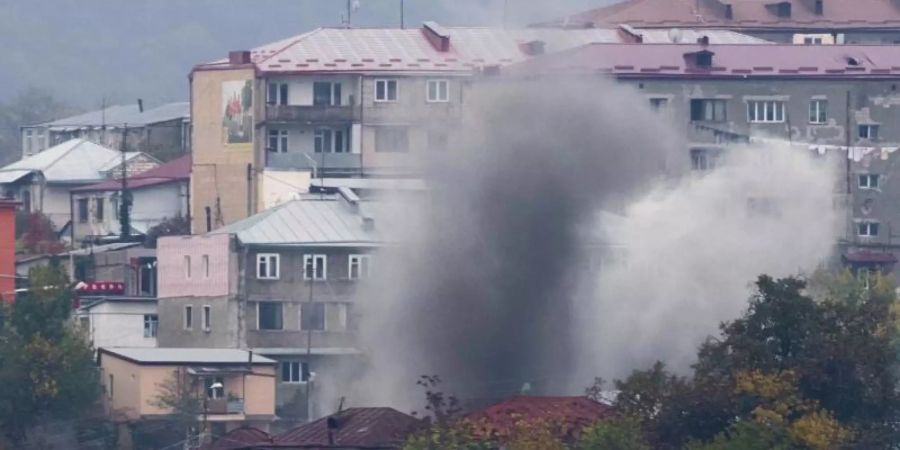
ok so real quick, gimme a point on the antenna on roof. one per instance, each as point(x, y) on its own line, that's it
point(402, 13)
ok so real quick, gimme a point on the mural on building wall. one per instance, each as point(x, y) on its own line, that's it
point(237, 111)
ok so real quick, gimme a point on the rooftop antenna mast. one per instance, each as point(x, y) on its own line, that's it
point(402, 14)
point(505, 13)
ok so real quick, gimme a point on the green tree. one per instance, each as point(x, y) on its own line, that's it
point(616, 434)
point(46, 368)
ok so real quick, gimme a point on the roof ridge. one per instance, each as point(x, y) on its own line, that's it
point(58, 158)
point(293, 42)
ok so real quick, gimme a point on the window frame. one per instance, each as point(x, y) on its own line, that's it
point(869, 177)
point(84, 209)
point(818, 111)
point(204, 262)
point(335, 92)
point(871, 229)
point(280, 95)
point(702, 160)
point(437, 83)
point(217, 393)
point(151, 325)
point(755, 114)
point(98, 208)
point(298, 369)
point(870, 136)
point(709, 105)
point(187, 317)
point(187, 267)
point(386, 98)
point(206, 318)
point(259, 316)
point(320, 140)
point(315, 257)
point(281, 139)
point(268, 258)
point(359, 258)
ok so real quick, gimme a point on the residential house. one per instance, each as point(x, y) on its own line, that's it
point(237, 388)
point(353, 429)
point(822, 98)
point(499, 421)
point(157, 194)
point(164, 131)
point(810, 22)
point(118, 320)
point(281, 283)
point(339, 102)
point(43, 182)
point(8, 250)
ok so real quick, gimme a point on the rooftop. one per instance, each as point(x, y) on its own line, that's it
point(410, 50)
point(240, 438)
point(185, 355)
point(499, 419)
point(120, 115)
point(728, 60)
point(745, 14)
point(177, 170)
point(354, 427)
point(73, 161)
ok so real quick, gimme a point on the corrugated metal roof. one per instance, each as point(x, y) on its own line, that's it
point(73, 161)
point(186, 355)
point(329, 221)
point(177, 170)
point(571, 413)
point(408, 50)
point(356, 427)
point(93, 250)
point(119, 115)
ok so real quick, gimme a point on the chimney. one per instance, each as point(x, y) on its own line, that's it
point(239, 57)
point(437, 35)
point(140, 105)
point(701, 59)
point(533, 48)
point(703, 40)
point(368, 224)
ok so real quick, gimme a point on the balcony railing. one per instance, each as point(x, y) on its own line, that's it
point(224, 406)
point(309, 114)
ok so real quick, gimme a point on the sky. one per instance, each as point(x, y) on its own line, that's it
point(83, 51)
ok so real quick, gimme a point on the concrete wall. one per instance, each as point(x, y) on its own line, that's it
point(151, 205)
point(174, 281)
point(119, 324)
point(126, 401)
point(226, 330)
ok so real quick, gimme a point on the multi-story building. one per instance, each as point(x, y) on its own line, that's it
point(281, 283)
point(826, 98)
point(346, 102)
point(784, 21)
point(164, 131)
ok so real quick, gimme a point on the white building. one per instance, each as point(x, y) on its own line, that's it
point(119, 321)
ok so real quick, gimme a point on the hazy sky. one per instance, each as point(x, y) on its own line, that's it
point(83, 50)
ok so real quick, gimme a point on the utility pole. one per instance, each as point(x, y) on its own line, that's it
point(349, 13)
point(310, 275)
point(125, 201)
point(402, 14)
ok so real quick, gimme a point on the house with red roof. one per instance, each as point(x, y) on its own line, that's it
point(157, 194)
point(785, 21)
point(565, 416)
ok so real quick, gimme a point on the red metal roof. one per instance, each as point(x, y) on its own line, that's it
point(870, 257)
point(746, 14)
point(574, 413)
point(364, 427)
point(728, 60)
point(240, 438)
point(177, 170)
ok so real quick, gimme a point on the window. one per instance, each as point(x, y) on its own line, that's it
point(864, 274)
point(205, 261)
point(818, 111)
point(215, 388)
point(187, 267)
point(391, 139)
point(312, 316)
point(708, 110)
point(83, 210)
point(151, 324)
point(40, 140)
point(867, 229)
point(326, 94)
point(28, 146)
point(702, 160)
point(360, 267)
point(767, 111)
point(278, 141)
point(267, 266)
point(278, 94)
point(114, 205)
point(868, 181)
point(109, 387)
point(813, 40)
point(294, 372)
point(98, 209)
point(188, 317)
point(438, 91)
point(269, 316)
point(315, 265)
point(207, 317)
point(869, 132)
point(783, 9)
point(328, 140)
point(659, 104)
point(386, 90)
point(26, 201)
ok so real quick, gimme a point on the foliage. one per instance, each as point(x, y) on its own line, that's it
point(792, 372)
point(183, 396)
point(617, 434)
point(46, 369)
point(38, 234)
point(446, 430)
point(175, 226)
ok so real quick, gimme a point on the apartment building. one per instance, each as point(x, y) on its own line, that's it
point(281, 283)
point(810, 22)
point(346, 103)
point(841, 99)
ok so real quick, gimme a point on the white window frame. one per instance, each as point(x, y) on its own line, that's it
point(319, 134)
point(870, 226)
point(869, 127)
point(317, 276)
point(358, 259)
point(818, 111)
point(758, 111)
point(272, 261)
point(205, 263)
point(298, 373)
point(277, 99)
point(437, 83)
point(282, 141)
point(187, 267)
point(258, 317)
point(387, 98)
point(151, 325)
point(868, 178)
point(187, 317)
point(333, 94)
point(206, 318)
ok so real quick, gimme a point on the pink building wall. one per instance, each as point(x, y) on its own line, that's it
point(176, 280)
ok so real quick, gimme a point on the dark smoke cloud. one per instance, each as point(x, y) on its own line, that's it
point(482, 294)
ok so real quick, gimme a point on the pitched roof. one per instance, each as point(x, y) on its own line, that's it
point(314, 221)
point(747, 14)
point(575, 413)
point(73, 161)
point(119, 115)
point(185, 355)
point(363, 427)
point(739, 61)
point(409, 50)
point(239, 438)
point(175, 171)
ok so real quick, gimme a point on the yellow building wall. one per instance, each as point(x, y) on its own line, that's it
point(125, 402)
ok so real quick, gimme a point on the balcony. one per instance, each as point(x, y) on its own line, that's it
point(291, 114)
point(225, 406)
